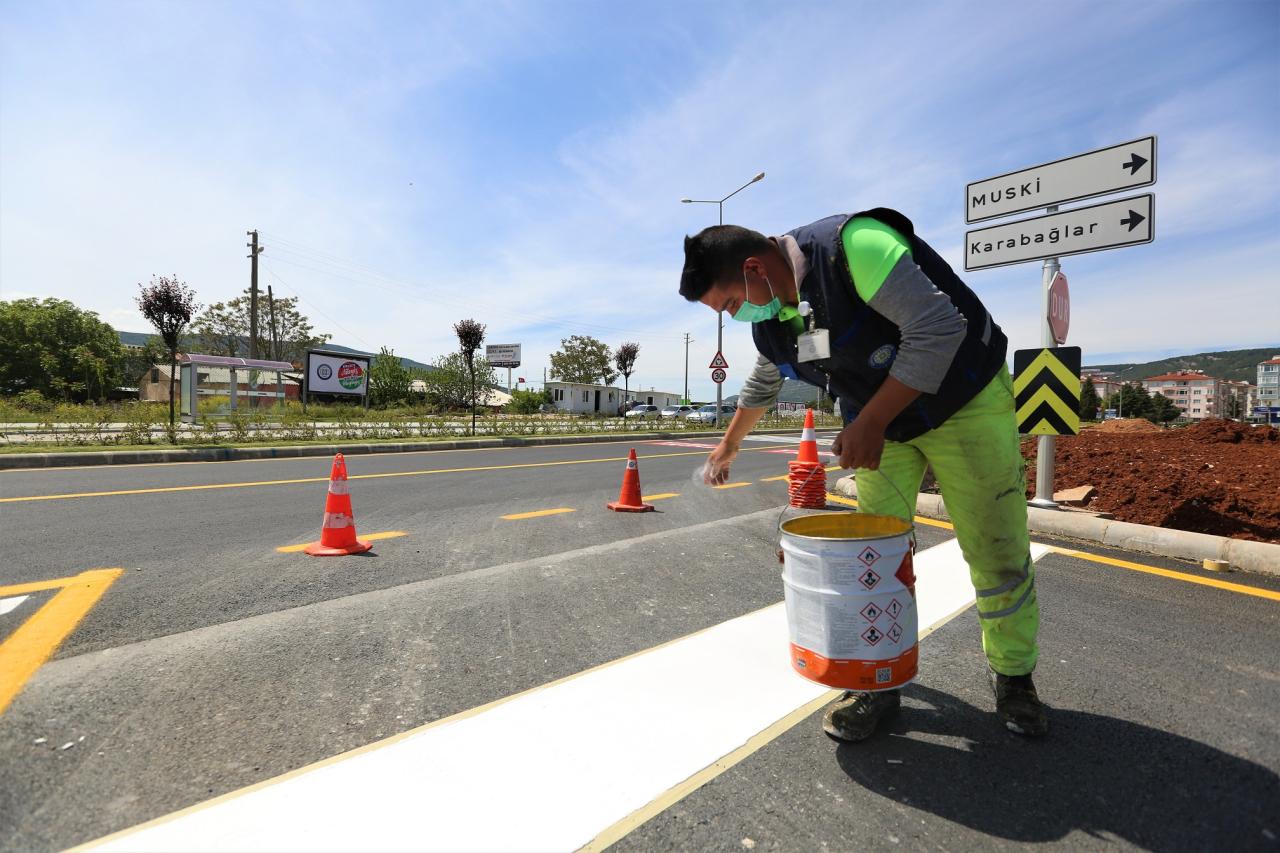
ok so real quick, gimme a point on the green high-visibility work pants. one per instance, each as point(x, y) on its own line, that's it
point(978, 464)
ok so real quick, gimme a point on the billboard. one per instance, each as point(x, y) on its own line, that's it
point(502, 355)
point(337, 373)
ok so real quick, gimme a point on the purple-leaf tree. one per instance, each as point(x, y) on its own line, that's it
point(168, 304)
point(470, 337)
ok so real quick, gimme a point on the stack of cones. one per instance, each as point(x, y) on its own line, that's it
point(338, 532)
point(629, 499)
point(807, 485)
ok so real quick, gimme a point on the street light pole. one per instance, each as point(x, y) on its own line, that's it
point(720, 314)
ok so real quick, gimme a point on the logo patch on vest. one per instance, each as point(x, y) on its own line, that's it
point(883, 357)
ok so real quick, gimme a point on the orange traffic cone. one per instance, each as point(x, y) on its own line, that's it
point(629, 499)
point(808, 440)
point(807, 484)
point(338, 533)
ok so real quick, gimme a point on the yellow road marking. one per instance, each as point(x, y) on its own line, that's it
point(1259, 592)
point(732, 485)
point(27, 648)
point(660, 497)
point(386, 534)
point(164, 489)
point(537, 513)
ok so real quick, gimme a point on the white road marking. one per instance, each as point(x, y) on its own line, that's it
point(8, 604)
point(784, 439)
point(549, 769)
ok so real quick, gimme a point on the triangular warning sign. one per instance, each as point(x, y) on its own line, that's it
point(718, 361)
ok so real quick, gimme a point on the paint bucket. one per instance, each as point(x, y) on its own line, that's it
point(851, 599)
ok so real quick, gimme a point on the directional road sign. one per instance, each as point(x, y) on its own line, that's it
point(718, 376)
point(1109, 225)
point(1046, 389)
point(1106, 170)
point(718, 361)
point(1059, 308)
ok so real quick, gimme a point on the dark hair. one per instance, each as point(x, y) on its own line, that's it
point(715, 254)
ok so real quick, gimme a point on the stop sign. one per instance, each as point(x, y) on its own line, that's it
point(1059, 308)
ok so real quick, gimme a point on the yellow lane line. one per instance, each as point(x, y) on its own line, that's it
point(1269, 594)
point(537, 513)
point(27, 648)
point(660, 497)
point(59, 468)
point(164, 489)
point(775, 479)
point(386, 534)
point(732, 485)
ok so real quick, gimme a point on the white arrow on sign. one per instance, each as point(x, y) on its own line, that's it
point(1110, 225)
point(718, 361)
point(1107, 170)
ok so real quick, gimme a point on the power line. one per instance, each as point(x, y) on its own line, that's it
point(316, 308)
point(344, 269)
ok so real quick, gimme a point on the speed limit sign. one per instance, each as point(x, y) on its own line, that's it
point(718, 376)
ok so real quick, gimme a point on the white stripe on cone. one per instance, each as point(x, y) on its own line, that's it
point(335, 520)
point(808, 435)
point(337, 487)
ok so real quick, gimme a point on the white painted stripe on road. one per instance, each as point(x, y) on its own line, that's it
point(552, 768)
point(8, 604)
point(783, 439)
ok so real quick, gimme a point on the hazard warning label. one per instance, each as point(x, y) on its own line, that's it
point(871, 613)
point(869, 579)
point(894, 633)
point(869, 556)
point(872, 635)
point(893, 608)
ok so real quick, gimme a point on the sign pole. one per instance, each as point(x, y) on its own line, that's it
point(1045, 449)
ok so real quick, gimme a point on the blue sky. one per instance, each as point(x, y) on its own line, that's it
point(411, 164)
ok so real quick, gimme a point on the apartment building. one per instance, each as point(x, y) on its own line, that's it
point(1267, 395)
point(1194, 393)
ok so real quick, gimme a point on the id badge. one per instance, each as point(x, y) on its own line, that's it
point(814, 345)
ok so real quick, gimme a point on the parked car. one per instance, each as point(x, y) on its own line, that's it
point(644, 412)
point(707, 414)
point(676, 411)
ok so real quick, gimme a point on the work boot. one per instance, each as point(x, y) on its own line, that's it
point(854, 716)
point(1018, 706)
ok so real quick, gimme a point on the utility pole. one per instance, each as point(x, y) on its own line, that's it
point(271, 307)
point(687, 340)
point(254, 251)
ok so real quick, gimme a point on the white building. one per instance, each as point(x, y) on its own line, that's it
point(581, 398)
point(1268, 393)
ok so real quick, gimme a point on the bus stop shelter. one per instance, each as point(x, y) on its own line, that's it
point(230, 384)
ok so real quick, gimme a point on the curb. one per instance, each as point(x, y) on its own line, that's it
point(234, 454)
point(1250, 556)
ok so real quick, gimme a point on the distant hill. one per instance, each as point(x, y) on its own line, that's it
point(1239, 365)
point(138, 339)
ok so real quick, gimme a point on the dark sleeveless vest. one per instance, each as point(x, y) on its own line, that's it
point(864, 343)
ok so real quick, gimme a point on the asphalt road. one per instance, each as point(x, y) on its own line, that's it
point(215, 661)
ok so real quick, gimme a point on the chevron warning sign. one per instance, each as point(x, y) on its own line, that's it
point(1046, 389)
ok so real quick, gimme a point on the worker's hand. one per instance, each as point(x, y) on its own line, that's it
point(860, 444)
point(716, 471)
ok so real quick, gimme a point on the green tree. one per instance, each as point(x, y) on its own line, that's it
point(53, 347)
point(583, 359)
point(625, 360)
point(449, 382)
point(528, 402)
point(389, 379)
point(1163, 409)
point(168, 304)
point(1132, 401)
point(223, 329)
point(1089, 401)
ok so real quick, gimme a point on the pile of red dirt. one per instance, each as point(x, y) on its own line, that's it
point(1126, 425)
point(1217, 477)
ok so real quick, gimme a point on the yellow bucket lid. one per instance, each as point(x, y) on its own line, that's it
point(847, 526)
